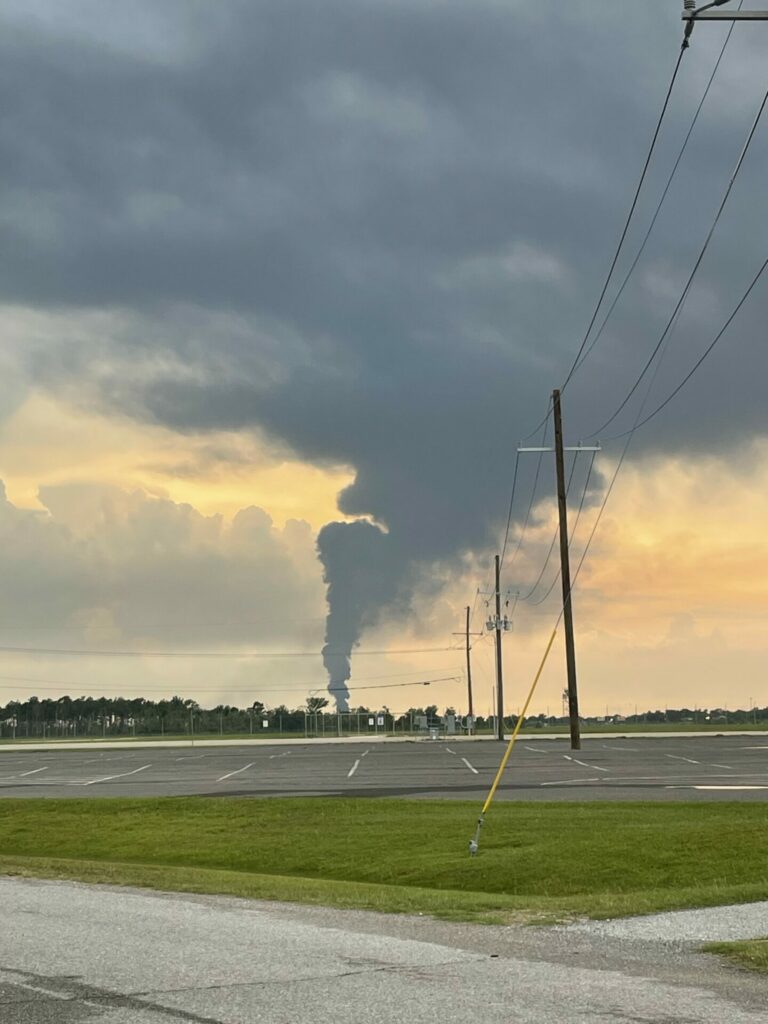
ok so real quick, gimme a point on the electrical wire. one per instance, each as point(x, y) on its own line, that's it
point(701, 358)
point(686, 290)
point(280, 689)
point(604, 503)
point(628, 220)
point(526, 597)
point(578, 361)
point(551, 587)
point(657, 211)
point(511, 506)
point(76, 687)
point(215, 654)
point(530, 503)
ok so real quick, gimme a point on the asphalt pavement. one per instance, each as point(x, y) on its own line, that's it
point(723, 767)
point(75, 954)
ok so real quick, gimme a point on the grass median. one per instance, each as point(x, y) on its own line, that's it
point(536, 861)
point(751, 953)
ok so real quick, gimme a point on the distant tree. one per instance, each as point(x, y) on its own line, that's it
point(315, 704)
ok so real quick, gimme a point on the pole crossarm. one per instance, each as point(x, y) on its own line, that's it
point(571, 448)
point(725, 16)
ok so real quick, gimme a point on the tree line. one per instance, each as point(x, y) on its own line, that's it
point(72, 717)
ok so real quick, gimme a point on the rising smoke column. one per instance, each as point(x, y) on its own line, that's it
point(362, 574)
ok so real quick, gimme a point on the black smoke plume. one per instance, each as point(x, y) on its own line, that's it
point(362, 573)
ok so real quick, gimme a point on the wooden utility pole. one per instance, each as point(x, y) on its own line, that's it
point(499, 679)
point(565, 575)
point(469, 677)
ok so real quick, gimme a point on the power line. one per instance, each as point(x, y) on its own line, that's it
point(633, 205)
point(551, 587)
point(604, 502)
point(628, 220)
point(622, 237)
point(657, 211)
point(701, 358)
point(525, 597)
point(205, 689)
point(697, 264)
point(530, 503)
point(511, 506)
point(258, 690)
point(216, 654)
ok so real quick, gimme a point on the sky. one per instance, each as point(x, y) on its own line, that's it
point(282, 287)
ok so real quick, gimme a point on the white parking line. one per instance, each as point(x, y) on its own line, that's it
point(284, 754)
point(471, 767)
point(536, 750)
point(353, 769)
point(729, 788)
point(108, 778)
point(365, 752)
point(594, 767)
point(190, 757)
point(728, 766)
point(230, 774)
point(676, 757)
point(571, 782)
point(34, 771)
point(449, 751)
point(609, 747)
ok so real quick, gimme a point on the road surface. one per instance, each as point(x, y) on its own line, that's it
point(74, 954)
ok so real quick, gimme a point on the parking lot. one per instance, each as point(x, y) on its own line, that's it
point(696, 768)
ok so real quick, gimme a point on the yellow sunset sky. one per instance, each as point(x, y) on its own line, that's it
point(669, 609)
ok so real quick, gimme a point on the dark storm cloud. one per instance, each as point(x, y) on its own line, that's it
point(375, 229)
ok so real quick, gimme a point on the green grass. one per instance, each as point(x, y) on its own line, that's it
point(556, 860)
point(752, 953)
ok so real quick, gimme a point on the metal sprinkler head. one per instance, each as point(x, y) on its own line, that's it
point(474, 842)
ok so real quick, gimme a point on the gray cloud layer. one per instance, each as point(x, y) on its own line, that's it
point(375, 229)
point(102, 567)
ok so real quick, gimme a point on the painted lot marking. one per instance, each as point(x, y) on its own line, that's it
point(365, 752)
point(34, 771)
point(536, 750)
point(677, 757)
point(729, 788)
point(471, 767)
point(108, 778)
point(236, 772)
point(594, 767)
point(273, 756)
point(190, 757)
point(609, 747)
point(571, 782)
point(728, 766)
point(353, 769)
point(449, 751)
